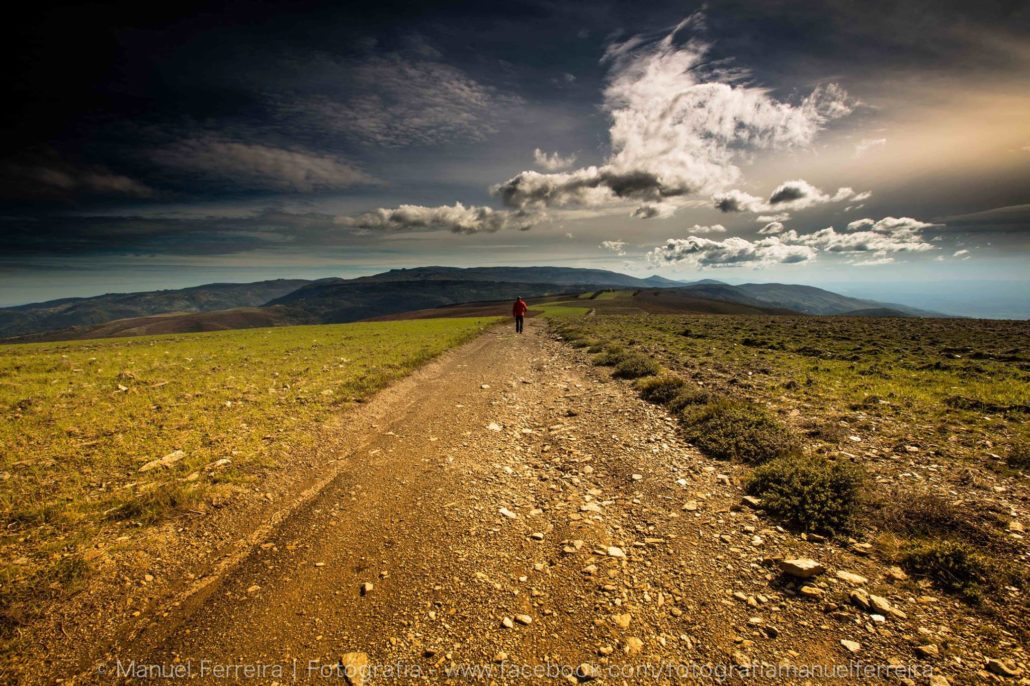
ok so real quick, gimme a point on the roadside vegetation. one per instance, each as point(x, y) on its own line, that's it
point(113, 434)
point(820, 406)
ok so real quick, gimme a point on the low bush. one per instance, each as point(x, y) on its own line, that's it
point(661, 390)
point(612, 356)
point(927, 516)
point(691, 396)
point(733, 430)
point(808, 492)
point(634, 366)
point(952, 565)
point(1019, 457)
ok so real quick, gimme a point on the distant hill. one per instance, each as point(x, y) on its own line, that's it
point(876, 312)
point(803, 299)
point(281, 302)
point(84, 313)
point(567, 276)
point(355, 299)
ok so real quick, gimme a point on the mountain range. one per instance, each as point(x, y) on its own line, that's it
point(296, 301)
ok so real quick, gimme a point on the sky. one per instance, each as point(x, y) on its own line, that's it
point(879, 147)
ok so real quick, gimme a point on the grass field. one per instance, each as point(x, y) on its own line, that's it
point(82, 420)
point(910, 431)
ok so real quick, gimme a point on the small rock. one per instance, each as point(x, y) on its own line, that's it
point(354, 667)
point(622, 621)
point(880, 604)
point(366, 588)
point(851, 646)
point(1001, 668)
point(927, 651)
point(524, 620)
point(587, 672)
point(507, 623)
point(801, 568)
point(810, 591)
point(860, 599)
point(493, 426)
point(254, 589)
point(896, 573)
point(166, 461)
point(862, 548)
point(537, 536)
point(615, 551)
point(851, 577)
point(637, 477)
point(752, 502)
point(501, 656)
point(633, 646)
point(505, 512)
point(939, 680)
point(690, 506)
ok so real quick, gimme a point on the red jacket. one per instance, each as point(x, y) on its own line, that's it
point(520, 308)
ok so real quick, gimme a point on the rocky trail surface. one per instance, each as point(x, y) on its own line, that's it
point(520, 517)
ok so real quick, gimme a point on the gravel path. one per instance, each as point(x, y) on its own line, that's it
point(519, 517)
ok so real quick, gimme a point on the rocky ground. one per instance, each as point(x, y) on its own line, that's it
point(518, 516)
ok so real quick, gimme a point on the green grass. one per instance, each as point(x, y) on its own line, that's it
point(790, 392)
point(956, 383)
point(560, 309)
point(614, 295)
point(81, 418)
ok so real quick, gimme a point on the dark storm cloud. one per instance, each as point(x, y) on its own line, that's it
point(1014, 219)
point(391, 100)
point(136, 102)
point(143, 235)
point(46, 176)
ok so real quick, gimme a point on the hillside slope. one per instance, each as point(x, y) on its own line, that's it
point(68, 313)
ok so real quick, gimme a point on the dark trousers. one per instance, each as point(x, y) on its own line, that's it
point(518, 324)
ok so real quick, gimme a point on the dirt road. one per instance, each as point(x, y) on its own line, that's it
point(518, 516)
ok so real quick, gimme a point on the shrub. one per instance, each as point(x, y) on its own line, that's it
point(691, 396)
point(634, 366)
point(927, 515)
point(580, 343)
point(1019, 457)
point(661, 389)
point(595, 348)
point(808, 492)
point(731, 430)
point(612, 356)
point(156, 503)
point(951, 565)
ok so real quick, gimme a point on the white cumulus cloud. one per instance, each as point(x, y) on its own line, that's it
point(865, 242)
point(617, 247)
point(790, 196)
point(456, 218)
point(731, 252)
point(552, 161)
point(676, 128)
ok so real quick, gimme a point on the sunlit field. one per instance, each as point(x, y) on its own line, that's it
point(909, 431)
point(124, 432)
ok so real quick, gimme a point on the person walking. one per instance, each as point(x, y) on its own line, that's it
point(518, 310)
